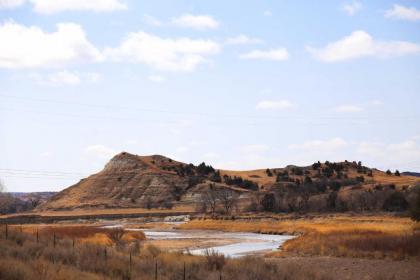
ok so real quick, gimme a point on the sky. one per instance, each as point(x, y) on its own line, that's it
point(237, 84)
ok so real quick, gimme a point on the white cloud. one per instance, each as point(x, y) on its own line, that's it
point(280, 54)
point(274, 104)
point(403, 155)
point(360, 44)
point(403, 13)
point(100, 151)
point(321, 145)
point(179, 54)
point(28, 47)
point(352, 8)
point(10, 4)
point(156, 78)
point(243, 40)
point(199, 22)
point(348, 109)
point(150, 20)
point(57, 6)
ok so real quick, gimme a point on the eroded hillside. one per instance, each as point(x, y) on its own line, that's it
point(131, 181)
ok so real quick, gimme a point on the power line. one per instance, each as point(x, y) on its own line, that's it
point(213, 115)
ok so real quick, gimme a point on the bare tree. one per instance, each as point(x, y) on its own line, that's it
point(210, 198)
point(228, 198)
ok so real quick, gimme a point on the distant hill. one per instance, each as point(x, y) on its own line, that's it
point(30, 196)
point(132, 181)
point(408, 173)
point(12, 202)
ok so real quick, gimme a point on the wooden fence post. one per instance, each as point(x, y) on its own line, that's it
point(54, 241)
point(184, 271)
point(37, 236)
point(7, 231)
point(130, 266)
point(156, 270)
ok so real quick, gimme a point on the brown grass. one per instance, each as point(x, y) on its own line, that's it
point(80, 233)
point(361, 236)
point(21, 257)
point(111, 211)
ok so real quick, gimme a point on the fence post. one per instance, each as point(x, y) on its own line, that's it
point(156, 270)
point(184, 270)
point(54, 241)
point(130, 266)
point(37, 236)
point(7, 232)
point(105, 254)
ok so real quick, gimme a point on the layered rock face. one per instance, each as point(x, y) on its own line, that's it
point(126, 181)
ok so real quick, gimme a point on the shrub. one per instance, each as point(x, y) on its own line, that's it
point(395, 202)
point(268, 202)
point(215, 260)
point(415, 209)
point(115, 235)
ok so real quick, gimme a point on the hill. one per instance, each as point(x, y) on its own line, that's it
point(132, 181)
point(11, 202)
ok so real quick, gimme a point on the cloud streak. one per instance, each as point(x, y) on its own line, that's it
point(360, 44)
point(403, 13)
point(199, 22)
point(280, 54)
point(165, 54)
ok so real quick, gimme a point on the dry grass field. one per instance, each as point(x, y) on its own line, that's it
point(24, 256)
point(342, 235)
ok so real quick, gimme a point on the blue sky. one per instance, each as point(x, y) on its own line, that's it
point(238, 84)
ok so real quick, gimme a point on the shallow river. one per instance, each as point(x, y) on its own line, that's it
point(241, 243)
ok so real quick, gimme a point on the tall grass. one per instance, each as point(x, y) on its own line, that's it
point(367, 237)
point(22, 257)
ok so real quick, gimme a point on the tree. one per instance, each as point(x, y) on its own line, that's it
point(415, 209)
point(397, 173)
point(229, 199)
point(388, 172)
point(269, 173)
point(210, 198)
point(395, 202)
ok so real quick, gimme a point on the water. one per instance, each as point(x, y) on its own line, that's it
point(243, 243)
